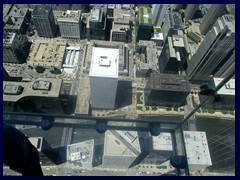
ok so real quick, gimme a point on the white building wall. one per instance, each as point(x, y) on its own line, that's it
point(103, 92)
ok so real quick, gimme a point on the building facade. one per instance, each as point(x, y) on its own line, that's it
point(175, 54)
point(172, 23)
point(70, 24)
point(215, 52)
point(190, 11)
point(96, 25)
point(15, 48)
point(214, 12)
point(158, 12)
point(44, 21)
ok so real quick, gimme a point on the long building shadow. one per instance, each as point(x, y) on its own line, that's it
point(124, 94)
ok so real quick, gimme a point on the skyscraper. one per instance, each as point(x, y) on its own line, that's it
point(14, 48)
point(190, 11)
point(174, 55)
point(172, 22)
point(215, 52)
point(104, 77)
point(166, 90)
point(214, 12)
point(159, 12)
point(43, 20)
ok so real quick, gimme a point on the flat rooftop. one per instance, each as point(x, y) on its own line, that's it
point(81, 152)
point(41, 10)
point(47, 53)
point(227, 89)
point(145, 15)
point(163, 142)
point(104, 62)
point(197, 148)
point(121, 143)
point(29, 91)
point(95, 15)
point(68, 16)
point(170, 82)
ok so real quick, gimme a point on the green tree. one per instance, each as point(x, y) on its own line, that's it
point(40, 69)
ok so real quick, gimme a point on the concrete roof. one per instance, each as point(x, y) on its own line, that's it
point(47, 53)
point(162, 142)
point(28, 90)
point(227, 89)
point(104, 62)
point(82, 152)
point(121, 143)
point(197, 148)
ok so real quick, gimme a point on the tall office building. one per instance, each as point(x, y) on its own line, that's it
point(227, 68)
point(144, 24)
point(15, 48)
point(96, 24)
point(43, 20)
point(190, 11)
point(104, 77)
point(172, 22)
point(175, 53)
point(70, 24)
point(121, 148)
point(215, 52)
point(214, 12)
point(158, 13)
point(166, 90)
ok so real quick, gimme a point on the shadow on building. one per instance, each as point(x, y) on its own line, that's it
point(124, 94)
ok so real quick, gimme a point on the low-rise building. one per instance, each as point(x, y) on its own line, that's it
point(121, 148)
point(47, 53)
point(81, 154)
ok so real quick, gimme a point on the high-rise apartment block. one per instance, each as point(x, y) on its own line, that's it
point(216, 51)
point(104, 77)
point(44, 21)
point(70, 24)
point(190, 11)
point(15, 48)
point(214, 12)
point(158, 13)
point(144, 24)
point(166, 90)
point(121, 148)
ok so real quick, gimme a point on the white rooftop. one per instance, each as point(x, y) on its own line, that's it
point(104, 62)
point(162, 142)
point(227, 89)
point(197, 148)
